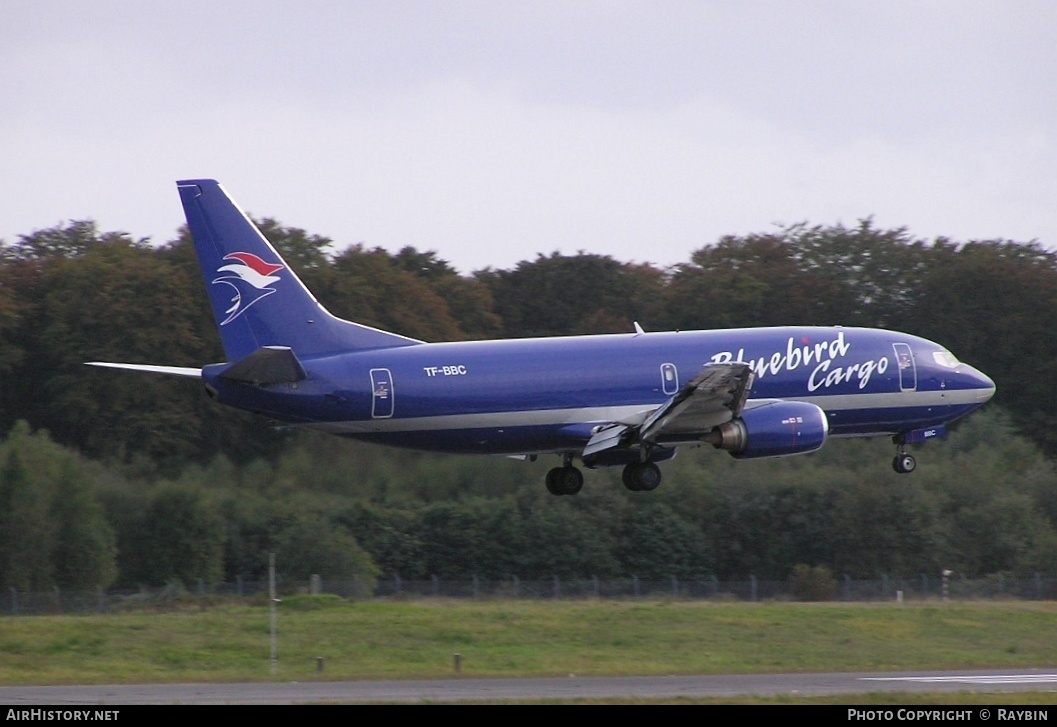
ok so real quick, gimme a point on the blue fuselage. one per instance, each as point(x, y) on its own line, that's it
point(524, 396)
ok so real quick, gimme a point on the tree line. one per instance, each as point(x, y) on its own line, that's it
point(107, 479)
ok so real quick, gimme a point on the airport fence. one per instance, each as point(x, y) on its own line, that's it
point(922, 588)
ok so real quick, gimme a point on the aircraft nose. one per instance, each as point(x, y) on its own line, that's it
point(981, 383)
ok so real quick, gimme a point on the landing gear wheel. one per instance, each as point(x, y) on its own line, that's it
point(571, 480)
point(552, 481)
point(904, 463)
point(564, 481)
point(642, 476)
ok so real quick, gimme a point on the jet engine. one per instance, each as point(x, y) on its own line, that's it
point(772, 429)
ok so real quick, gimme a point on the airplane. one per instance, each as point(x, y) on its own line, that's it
point(628, 400)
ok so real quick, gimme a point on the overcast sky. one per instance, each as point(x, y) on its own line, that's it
point(491, 131)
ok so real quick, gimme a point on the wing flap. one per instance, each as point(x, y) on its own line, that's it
point(605, 438)
point(714, 396)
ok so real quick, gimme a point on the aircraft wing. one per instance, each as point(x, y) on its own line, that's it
point(715, 395)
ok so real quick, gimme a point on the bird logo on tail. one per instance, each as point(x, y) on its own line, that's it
point(250, 277)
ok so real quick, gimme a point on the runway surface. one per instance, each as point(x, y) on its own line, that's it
point(571, 687)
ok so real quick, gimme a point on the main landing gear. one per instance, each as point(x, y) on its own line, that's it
point(642, 476)
point(565, 480)
point(568, 480)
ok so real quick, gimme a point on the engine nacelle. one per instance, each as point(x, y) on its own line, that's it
point(774, 429)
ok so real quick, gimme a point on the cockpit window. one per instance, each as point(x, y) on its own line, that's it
point(945, 358)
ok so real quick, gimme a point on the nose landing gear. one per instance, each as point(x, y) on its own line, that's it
point(903, 463)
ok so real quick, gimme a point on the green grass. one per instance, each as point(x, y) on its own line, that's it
point(419, 639)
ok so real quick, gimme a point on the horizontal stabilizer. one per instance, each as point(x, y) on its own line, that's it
point(267, 365)
point(167, 370)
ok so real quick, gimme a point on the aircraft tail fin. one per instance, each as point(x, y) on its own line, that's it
point(258, 301)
